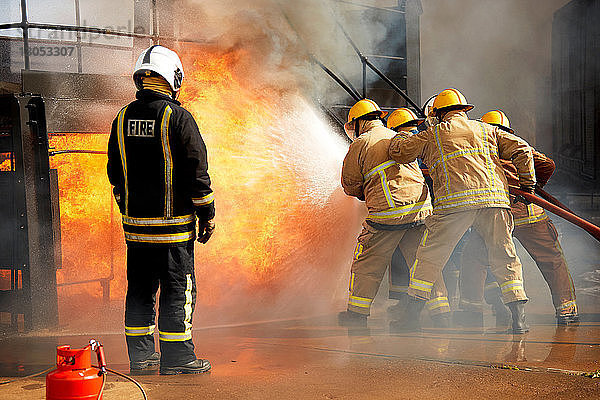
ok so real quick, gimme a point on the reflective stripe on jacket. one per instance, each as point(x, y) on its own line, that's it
point(544, 168)
point(394, 194)
point(464, 161)
point(158, 166)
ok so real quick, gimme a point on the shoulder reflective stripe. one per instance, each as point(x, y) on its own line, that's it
point(174, 336)
point(386, 189)
point(121, 139)
point(379, 168)
point(402, 211)
point(488, 159)
point(187, 308)
point(159, 238)
point(168, 160)
point(209, 198)
point(186, 219)
point(139, 331)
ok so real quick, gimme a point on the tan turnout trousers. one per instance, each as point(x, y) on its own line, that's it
point(540, 239)
point(443, 232)
point(372, 256)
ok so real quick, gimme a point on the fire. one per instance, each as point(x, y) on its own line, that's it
point(285, 229)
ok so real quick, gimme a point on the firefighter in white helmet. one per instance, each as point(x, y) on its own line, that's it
point(397, 201)
point(470, 190)
point(158, 167)
point(537, 234)
point(405, 121)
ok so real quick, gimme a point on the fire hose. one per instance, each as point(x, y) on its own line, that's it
point(550, 203)
point(558, 210)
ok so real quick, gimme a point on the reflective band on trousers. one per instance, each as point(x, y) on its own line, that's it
point(402, 211)
point(438, 302)
point(531, 217)
point(202, 201)
point(567, 305)
point(174, 336)
point(139, 331)
point(398, 289)
point(160, 237)
point(511, 286)
point(418, 284)
point(186, 219)
point(362, 302)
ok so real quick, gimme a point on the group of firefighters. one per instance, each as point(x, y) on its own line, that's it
point(157, 165)
point(414, 228)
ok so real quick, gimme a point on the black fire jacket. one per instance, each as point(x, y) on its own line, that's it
point(158, 166)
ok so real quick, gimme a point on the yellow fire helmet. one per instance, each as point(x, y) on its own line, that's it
point(364, 107)
point(402, 117)
point(451, 98)
point(497, 118)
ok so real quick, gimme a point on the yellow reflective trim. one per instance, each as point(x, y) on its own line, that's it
point(187, 308)
point(406, 209)
point(425, 283)
point(530, 219)
point(442, 157)
point(471, 192)
point(359, 301)
point(134, 221)
point(209, 198)
point(121, 140)
point(168, 158)
point(386, 190)
point(351, 282)
point(139, 331)
point(174, 336)
point(358, 250)
point(379, 168)
point(159, 238)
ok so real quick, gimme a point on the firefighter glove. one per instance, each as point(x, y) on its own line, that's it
point(205, 230)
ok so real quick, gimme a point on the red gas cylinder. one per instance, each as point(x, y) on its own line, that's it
point(74, 376)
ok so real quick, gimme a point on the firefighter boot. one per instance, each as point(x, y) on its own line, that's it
point(152, 360)
point(193, 367)
point(441, 320)
point(468, 319)
point(517, 308)
point(567, 315)
point(396, 311)
point(493, 297)
point(412, 320)
point(352, 319)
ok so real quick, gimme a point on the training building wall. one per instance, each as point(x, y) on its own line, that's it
point(576, 92)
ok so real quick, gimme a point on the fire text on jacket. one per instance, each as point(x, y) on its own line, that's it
point(140, 128)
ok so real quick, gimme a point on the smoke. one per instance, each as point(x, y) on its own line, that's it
point(496, 52)
point(280, 37)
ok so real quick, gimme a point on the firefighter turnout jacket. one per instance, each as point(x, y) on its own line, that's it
point(158, 166)
point(463, 157)
point(395, 194)
point(529, 213)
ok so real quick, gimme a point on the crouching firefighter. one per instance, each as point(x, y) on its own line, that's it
point(157, 164)
point(397, 201)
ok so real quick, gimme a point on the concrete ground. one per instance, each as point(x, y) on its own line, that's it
point(316, 359)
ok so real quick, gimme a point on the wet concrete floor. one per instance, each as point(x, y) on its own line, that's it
point(316, 359)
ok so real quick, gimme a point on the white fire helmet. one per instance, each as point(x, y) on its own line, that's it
point(162, 61)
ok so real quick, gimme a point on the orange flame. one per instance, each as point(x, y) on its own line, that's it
point(285, 230)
